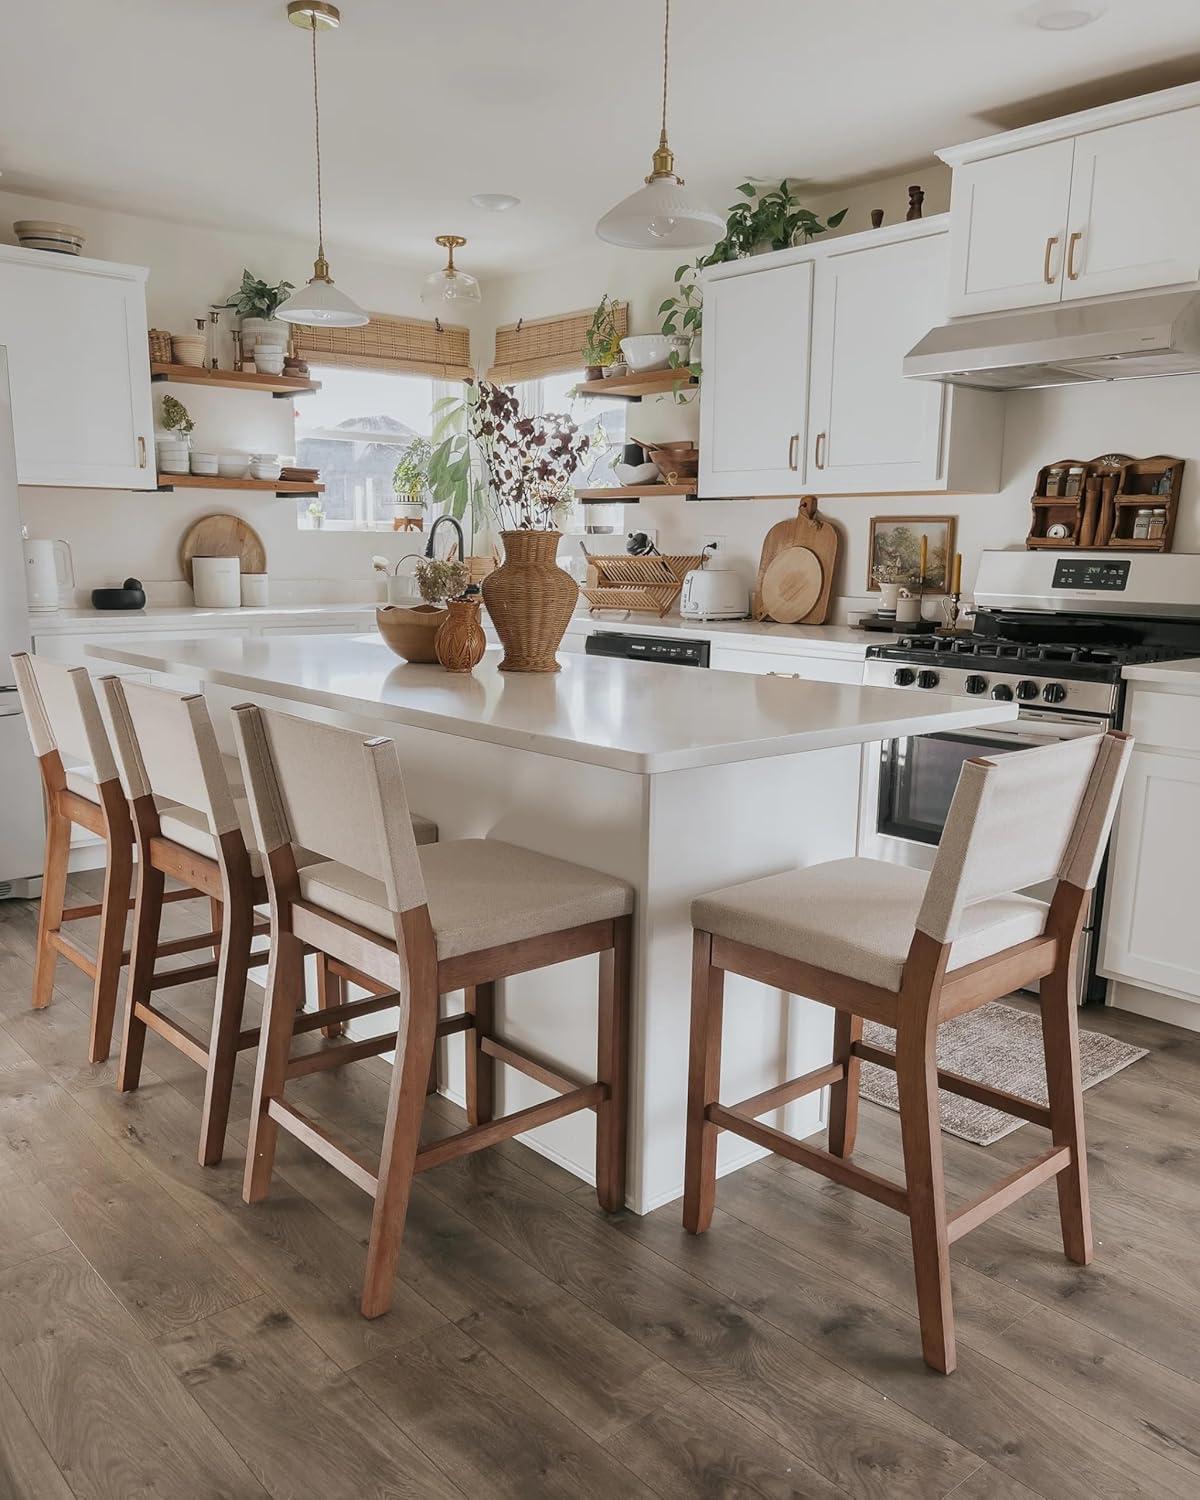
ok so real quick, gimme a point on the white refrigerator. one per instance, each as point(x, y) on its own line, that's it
point(21, 817)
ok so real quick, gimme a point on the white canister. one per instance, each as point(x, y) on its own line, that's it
point(254, 591)
point(908, 608)
point(217, 582)
point(48, 570)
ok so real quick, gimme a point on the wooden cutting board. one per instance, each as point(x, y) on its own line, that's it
point(791, 584)
point(806, 532)
point(223, 536)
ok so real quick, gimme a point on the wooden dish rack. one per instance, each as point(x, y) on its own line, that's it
point(622, 581)
point(1092, 504)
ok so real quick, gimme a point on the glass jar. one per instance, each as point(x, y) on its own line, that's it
point(1156, 525)
point(1141, 524)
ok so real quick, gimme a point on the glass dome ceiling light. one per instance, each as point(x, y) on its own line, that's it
point(450, 284)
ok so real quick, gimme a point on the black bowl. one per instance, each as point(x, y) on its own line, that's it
point(125, 598)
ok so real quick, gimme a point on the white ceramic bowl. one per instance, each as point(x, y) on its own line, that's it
point(636, 474)
point(264, 471)
point(46, 234)
point(647, 351)
point(204, 463)
point(268, 361)
point(231, 465)
point(188, 350)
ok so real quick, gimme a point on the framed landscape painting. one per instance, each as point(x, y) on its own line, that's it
point(894, 551)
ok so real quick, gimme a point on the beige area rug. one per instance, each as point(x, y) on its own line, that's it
point(999, 1046)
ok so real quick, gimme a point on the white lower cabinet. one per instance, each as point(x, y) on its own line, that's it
point(802, 665)
point(1151, 937)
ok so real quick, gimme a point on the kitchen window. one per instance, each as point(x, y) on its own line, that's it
point(552, 393)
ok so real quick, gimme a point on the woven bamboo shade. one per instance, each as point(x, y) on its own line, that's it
point(397, 345)
point(546, 346)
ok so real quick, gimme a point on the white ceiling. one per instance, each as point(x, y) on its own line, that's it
point(200, 110)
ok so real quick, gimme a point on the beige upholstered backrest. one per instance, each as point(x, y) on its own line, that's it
point(62, 714)
point(1027, 817)
point(333, 792)
point(167, 747)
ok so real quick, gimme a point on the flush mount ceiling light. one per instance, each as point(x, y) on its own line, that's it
point(494, 203)
point(661, 215)
point(319, 304)
point(1068, 15)
point(450, 284)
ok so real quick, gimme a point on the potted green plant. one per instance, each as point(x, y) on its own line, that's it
point(410, 477)
point(602, 343)
point(172, 449)
point(316, 514)
point(257, 303)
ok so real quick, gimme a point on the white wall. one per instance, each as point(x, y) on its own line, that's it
point(114, 533)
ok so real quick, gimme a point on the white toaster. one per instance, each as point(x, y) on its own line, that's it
point(713, 594)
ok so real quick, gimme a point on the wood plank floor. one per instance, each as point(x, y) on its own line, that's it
point(160, 1339)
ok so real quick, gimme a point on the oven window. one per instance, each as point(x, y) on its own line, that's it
point(917, 780)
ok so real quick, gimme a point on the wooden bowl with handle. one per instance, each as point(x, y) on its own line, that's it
point(411, 632)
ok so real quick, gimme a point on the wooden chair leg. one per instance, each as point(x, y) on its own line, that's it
point(215, 917)
point(401, 1136)
point(54, 895)
point(147, 920)
point(612, 1068)
point(118, 877)
point(704, 1086)
point(237, 921)
point(920, 1128)
point(331, 991)
point(284, 996)
point(843, 1097)
point(481, 1069)
point(1060, 1040)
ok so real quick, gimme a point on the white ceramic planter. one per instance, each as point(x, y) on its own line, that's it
point(263, 331)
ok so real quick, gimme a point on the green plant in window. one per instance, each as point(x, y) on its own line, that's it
point(410, 476)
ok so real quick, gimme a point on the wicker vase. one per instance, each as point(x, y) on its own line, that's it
point(531, 601)
point(460, 639)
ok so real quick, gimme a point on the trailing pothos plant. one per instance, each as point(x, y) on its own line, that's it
point(256, 299)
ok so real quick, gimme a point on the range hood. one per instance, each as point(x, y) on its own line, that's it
point(1123, 338)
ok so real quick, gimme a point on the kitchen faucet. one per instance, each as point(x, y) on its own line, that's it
point(462, 541)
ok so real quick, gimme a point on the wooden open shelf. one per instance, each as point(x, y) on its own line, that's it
point(631, 494)
point(168, 482)
point(634, 387)
point(234, 380)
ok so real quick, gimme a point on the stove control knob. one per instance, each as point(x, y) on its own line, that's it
point(927, 679)
point(1054, 692)
point(1026, 690)
point(904, 676)
point(1002, 690)
point(975, 684)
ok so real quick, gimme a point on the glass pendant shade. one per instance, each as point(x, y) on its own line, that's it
point(321, 305)
point(663, 215)
point(450, 284)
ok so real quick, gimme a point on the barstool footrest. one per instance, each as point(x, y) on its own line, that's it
point(794, 1088)
point(171, 1031)
point(530, 1066)
point(72, 952)
point(297, 1123)
point(338, 1053)
point(966, 1088)
point(480, 1136)
point(1019, 1182)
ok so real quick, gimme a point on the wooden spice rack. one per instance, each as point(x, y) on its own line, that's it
point(1092, 504)
point(622, 581)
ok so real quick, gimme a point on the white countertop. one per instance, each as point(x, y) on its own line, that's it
point(630, 716)
point(173, 616)
point(1182, 674)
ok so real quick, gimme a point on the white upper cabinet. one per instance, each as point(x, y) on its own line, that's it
point(1096, 203)
point(1008, 229)
point(754, 392)
point(870, 429)
point(79, 368)
point(1135, 215)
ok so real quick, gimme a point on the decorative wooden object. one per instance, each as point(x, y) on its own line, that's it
point(620, 581)
point(809, 532)
point(530, 600)
point(223, 536)
point(1093, 504)
point(460, 641)
point(916, 200)
point(411, 632)
point(233, 380)
point(877, 218)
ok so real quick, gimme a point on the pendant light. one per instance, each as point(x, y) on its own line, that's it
point(319, 304)
point(450, 284)
point(661, 215)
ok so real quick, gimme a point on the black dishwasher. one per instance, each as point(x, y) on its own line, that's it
point(675, 651)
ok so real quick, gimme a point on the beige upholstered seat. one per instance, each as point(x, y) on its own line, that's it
point(481, 893)
point(856, 917)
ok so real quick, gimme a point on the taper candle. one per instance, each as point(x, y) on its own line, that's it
point(924, 561)
point(957, 587)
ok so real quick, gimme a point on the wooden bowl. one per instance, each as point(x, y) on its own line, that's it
point(410, 632)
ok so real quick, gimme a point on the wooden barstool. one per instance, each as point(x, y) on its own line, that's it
point(418, 924)
point(81, 787)
point(893, 945)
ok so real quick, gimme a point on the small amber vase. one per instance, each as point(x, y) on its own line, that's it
point(531, 601)
point(460, 642)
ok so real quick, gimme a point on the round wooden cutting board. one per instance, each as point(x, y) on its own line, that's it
point(223, 536)
point(791, 584)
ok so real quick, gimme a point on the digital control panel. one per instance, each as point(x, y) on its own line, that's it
point(1091, 573)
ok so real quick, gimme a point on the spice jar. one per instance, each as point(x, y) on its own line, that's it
point(1141, 524)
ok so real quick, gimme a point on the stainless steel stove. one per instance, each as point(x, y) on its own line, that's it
point(1053, 633)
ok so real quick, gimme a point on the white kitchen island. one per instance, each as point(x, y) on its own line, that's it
point(678, 780)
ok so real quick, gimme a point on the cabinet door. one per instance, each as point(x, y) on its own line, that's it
point(1008, 229)
point(754, 394)
point(79, 370)
point(1134, 220)
point(1150, 931)
point(792, 664)
point(870, 429)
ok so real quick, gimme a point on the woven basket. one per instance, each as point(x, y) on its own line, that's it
point(160, 347)
point(531, 601)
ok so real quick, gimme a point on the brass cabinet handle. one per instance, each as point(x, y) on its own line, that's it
point(819, 451)
point(1072, 273)
point(141, 452)
point(793, 444)
point(1046, 276)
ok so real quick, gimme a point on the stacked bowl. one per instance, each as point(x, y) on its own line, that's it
point(45, 234)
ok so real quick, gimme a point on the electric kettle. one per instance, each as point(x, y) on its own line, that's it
point(48, 569)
